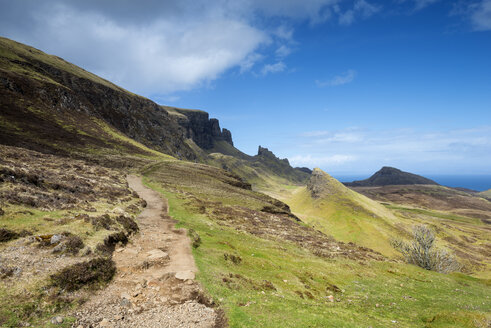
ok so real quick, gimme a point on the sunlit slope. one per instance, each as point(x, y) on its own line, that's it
point(268, 270)
point(329, 206)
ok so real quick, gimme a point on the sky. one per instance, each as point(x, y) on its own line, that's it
point(345, 85)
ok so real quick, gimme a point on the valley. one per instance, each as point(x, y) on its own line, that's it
point(119, 212)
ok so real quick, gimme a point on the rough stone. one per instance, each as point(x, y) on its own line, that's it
point(55, 239)
point(157, 254)
point(57, 320)
point(185, 275)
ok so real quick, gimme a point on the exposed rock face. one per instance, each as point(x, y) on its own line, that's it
point(268, 154)
point(203, 130)
point(322, 184)
point(391, 176)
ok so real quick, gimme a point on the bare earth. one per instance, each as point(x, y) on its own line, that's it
point(154, 285)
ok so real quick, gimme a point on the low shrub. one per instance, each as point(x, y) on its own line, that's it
point(235, 259)
point(195, 238)
point(111, 241)
point(73, 244)
point(128, 224)
point(7, 235)
point(93, 272)
point(102, 222)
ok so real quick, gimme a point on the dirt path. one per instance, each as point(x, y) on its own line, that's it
point(154, 285)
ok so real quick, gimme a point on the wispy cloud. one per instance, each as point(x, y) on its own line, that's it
point(360, 8)
point(324, 137)
point(481, 15)
point(283, 51)
point(344, 78)
point(418, 4)
point(273, 68)
point(432, 152)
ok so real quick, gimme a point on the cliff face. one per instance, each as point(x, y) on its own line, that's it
point(201, 129)
point(51, 105)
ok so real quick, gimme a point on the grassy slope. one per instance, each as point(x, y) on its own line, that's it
point(351, 217)
point(23, 55)
point(344, 214)
point(378, 294)
point(347, 217)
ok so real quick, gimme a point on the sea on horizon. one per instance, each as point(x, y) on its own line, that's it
point(475, 182)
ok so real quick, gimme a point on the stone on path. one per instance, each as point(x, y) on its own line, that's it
point(157, 254)
point(185, 275)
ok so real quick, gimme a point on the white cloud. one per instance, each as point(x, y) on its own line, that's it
point(313, 161)
point(273, 68)
point(160, 57)
point(159, 47)
point(346, 77)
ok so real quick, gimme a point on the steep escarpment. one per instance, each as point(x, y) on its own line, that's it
point(204, 131)
point(391, 176)
point(51, 105)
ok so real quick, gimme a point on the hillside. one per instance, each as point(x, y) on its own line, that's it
point(486, 194)
point(264, 170)
point(312, 253)
point(50, 105)
point(391, 176)
point(334, 209)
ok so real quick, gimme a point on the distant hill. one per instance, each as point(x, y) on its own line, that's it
point(391, 176)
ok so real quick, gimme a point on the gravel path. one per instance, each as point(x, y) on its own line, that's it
point(154, 286)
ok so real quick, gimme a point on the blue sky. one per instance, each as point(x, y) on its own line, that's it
point(348, 86)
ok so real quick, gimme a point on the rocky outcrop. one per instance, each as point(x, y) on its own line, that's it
point(322, 184)
point(204, 131)
point(268, 154)
point(281, 167)
point(391, 176)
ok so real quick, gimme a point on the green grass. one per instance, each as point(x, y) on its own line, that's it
point(407, 296)
point(437, 214)
point(347, 216)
